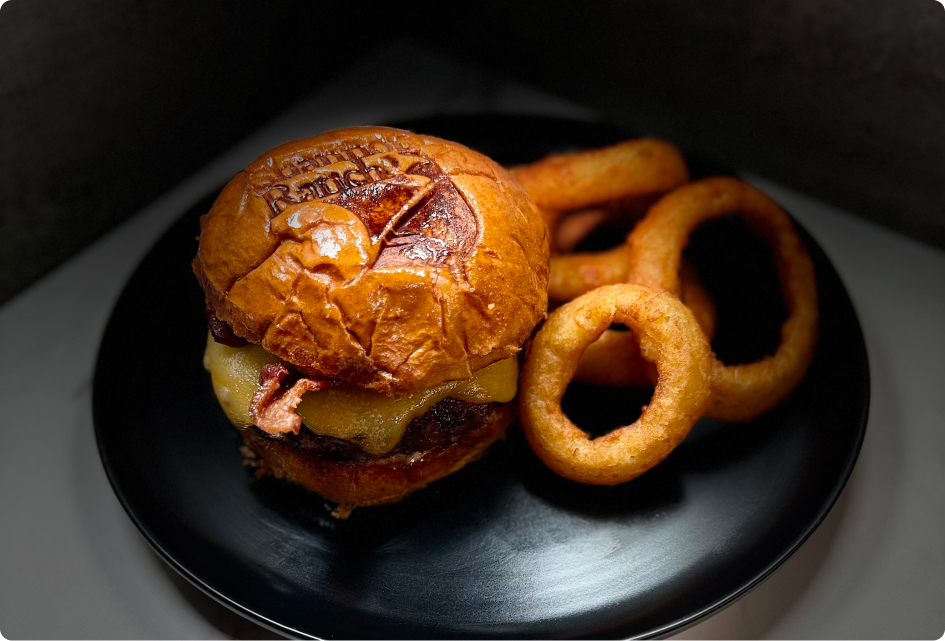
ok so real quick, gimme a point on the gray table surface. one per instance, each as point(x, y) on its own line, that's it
point(72, 565)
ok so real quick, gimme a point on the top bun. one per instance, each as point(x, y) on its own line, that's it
point(391, 260)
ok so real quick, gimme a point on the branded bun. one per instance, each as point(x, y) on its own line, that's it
point(389, 260)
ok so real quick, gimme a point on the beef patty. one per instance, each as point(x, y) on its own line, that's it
point(444, 424)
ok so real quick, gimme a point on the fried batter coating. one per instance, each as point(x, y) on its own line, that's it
point(614, 359)
point(740, 393)
point(669, 337)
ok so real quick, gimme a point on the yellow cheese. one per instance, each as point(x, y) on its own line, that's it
point(372, 420)
point(235, 375)
point(377, 422)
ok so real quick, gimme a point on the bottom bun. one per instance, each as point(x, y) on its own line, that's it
point(449, 435)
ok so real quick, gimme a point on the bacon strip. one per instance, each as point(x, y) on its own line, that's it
point(273, 406)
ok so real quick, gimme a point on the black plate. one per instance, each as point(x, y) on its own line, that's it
point(503, 548)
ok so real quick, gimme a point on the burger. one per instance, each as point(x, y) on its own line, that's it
point(367, 292)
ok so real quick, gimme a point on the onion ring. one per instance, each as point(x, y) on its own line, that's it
point(615, 359)
point(742, 392)
point(577, 225)
point(572, 275)
point(634, 170)
point(561, 182)
point(574, 226)
point(669, 337)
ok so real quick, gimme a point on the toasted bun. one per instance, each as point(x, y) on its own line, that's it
point(390, 260)
point(379, 480)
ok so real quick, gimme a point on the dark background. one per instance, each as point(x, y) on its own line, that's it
point(106, 104)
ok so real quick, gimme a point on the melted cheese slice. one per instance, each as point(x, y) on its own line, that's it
point(235, 375)
point(372, 420)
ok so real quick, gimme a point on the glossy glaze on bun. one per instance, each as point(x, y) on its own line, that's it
point(390, 260)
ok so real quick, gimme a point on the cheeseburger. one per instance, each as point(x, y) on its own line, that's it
point(367, 292)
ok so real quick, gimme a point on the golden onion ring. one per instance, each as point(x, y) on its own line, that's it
point(669, 337)
point(634, 169)
point(740, 392)
point(615, 359)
